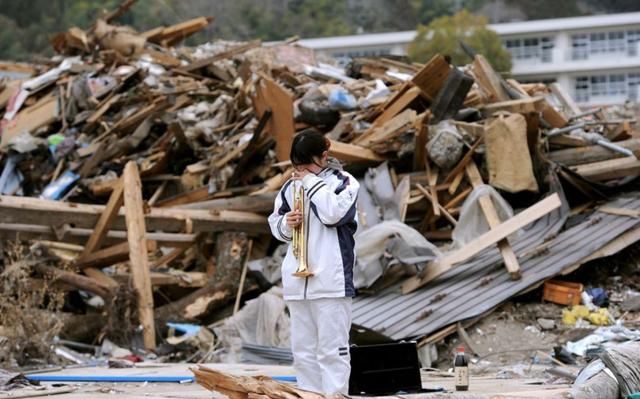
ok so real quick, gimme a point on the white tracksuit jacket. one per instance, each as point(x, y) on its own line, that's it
point(320, 305)
point(332, 219)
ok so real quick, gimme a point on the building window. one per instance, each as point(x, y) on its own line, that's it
point(579, 47)
point(530, 48)
point(546, 48)
point(582, 89)
point(598, 85)
point(616, 42)
point(633, 41)
point(598, 43)
point(617, 85)
point(633, 81)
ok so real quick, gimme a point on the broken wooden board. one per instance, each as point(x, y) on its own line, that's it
point(171, 35)
point(245, 387)
point(570, 106)
point(520, 106)
point(554, 117)
point(432, 76)
point(492, 237)
point(488, 80)
point(508, 159)
point(391, 129)
point(41, 114)
point(352, 153)
point(398, 103)
point(106, 218)
point(271, 96)
point(136, 237)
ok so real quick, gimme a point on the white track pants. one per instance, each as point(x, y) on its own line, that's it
point(320, 344)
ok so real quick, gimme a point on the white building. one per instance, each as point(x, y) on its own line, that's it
point(595, 58)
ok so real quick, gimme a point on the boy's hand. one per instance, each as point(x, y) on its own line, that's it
point(294, 218)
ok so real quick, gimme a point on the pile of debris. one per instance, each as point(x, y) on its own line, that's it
point(141, 175)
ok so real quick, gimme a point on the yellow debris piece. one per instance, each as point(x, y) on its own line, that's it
point(600, 317)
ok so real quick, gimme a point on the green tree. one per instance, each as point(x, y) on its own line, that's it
point(443, 36)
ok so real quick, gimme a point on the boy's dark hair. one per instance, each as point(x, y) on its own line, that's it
point(306, 145)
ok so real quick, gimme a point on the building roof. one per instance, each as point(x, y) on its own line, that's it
point(564, 24)
point(473, 288)
point(505, 29)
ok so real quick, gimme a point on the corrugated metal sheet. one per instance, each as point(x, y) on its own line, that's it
point(470, 289)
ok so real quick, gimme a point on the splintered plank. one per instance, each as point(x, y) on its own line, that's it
point(488, 80)
point(570, 107)
point(389, 130)
point(352, 153)
point(397, 104)
point(520, 106)
point(107, 217)
point(271, 96)
point(100, 232)
point(432, 76)
point(136, 237)
point(486, 240)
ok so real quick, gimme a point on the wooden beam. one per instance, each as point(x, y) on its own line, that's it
point(609, 170)
point(591, 153)
point(262, 203)
point(352, 153)
point(182, 279)
point(236, 305)
point(491, 215)
point(106, 219)
point(486, 240)
point(21, 231)
point(76, 280)
point(136, 237)
point(432, 178)
point(25, 210)
point(104, 257)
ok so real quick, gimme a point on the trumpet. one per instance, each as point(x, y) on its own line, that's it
point(300, 236)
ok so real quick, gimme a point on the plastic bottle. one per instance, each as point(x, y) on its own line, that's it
point(461, 370)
